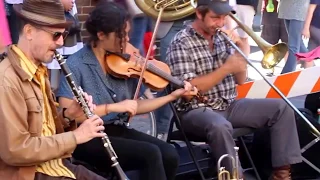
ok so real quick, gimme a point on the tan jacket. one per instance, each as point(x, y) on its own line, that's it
point(21, 144)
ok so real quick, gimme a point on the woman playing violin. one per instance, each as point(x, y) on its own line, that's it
point(108, 26)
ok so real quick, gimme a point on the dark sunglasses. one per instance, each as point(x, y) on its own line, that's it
point(55, 35)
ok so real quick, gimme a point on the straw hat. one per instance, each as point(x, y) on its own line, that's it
point(43, 12)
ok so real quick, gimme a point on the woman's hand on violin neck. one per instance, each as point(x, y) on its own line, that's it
point(129, 106)
point(188, 90)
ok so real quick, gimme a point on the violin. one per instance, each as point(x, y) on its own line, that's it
point(157, 75)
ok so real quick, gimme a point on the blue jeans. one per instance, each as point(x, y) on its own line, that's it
point(141, 25)
point(295, 43)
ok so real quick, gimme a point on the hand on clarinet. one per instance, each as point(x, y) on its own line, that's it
point(89, 129)
point(75, 110)
point(127, 105)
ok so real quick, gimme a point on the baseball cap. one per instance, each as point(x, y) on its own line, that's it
point(220, 7)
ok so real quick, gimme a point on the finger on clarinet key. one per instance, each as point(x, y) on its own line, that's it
point(99, 134)
point(100, 128)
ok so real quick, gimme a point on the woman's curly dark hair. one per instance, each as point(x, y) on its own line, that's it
point(107, 17)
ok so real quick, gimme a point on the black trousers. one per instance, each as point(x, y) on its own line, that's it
point(156, 159)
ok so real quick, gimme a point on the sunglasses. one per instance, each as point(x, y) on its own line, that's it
point(55, 35)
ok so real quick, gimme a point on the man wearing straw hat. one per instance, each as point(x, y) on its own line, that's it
point(34, 143)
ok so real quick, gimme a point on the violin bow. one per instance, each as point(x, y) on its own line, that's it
point(161, 8)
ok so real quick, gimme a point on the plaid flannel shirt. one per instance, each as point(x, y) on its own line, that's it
point(189, 56)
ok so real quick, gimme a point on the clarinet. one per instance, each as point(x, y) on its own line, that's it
point(78, 93)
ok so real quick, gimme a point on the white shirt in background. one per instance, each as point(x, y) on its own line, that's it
point(14, 1)
point(66, 50)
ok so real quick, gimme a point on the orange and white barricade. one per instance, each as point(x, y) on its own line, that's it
point(292, 84)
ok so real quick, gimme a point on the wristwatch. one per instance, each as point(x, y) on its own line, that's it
point(68, 120)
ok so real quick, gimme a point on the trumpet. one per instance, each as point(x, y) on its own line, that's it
point(223, 174)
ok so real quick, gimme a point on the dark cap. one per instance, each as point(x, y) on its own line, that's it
point(220, 7)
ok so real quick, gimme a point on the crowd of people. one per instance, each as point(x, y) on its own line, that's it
point(38, 138)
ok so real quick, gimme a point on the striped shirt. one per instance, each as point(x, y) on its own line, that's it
point(55, 167)
point(189, 56)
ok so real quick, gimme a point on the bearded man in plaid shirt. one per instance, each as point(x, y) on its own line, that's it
point(203, 57)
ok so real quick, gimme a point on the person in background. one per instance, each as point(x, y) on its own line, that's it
point(141, 24)
point(36, 139)
point(311, 28)
point(12, 19)
point(5, 38)
point(246, 10)
point(273, 28)
point(72, 43)
point(230, 23)
point(294, 13)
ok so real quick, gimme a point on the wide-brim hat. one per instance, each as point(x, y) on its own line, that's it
point(43, 12)
point(220, 7)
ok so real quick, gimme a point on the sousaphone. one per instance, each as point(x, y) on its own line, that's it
point(177, 10)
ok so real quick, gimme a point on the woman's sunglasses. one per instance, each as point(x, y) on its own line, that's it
point(55, 35)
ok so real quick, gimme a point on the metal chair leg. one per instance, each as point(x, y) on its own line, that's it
point(249, 157)
point(305, 148)
point(189, 145)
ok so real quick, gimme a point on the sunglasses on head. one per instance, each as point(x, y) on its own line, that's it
point(55, 35)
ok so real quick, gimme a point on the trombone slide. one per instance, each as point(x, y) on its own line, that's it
point(314, 130)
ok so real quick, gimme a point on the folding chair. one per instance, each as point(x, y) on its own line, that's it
point(180, 135)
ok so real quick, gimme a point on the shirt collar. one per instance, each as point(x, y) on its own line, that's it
point(88, 56)
point(28, 66)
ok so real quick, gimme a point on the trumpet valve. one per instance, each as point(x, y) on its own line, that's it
point(222, 169)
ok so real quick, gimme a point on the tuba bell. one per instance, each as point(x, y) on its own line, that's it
point(177, 10)
point(223, 174)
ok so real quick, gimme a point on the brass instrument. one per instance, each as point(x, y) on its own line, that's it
point(223, 174)
point(273, 54)
point(177, 9)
